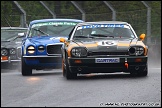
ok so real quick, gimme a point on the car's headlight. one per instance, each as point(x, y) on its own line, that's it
point(4, 52)
point(12, 51)
point(136, 50)
point(31, 49)
point(79, 52)
point(41, 48)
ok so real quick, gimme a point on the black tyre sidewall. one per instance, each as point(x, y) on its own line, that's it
point(68, 74)
point(25, 69)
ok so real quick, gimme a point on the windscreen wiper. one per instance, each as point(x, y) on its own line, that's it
point(101, 35)
point(41, 31)
point(82, 36)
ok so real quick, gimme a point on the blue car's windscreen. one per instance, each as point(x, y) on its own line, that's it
point(51, 29)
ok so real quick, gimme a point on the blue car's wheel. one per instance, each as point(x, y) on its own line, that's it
point(25, 69)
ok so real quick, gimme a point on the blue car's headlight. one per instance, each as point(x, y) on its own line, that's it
point(79, 52)
point(41, 48)
point(31, 49)
point(136, 50)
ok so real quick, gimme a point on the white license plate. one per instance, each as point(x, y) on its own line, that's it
point(107, 60)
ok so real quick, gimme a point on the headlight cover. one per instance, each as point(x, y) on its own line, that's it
point(79, 52)
point(4, 52)
point(31, 49)
point(136, 50)
point(12, 51)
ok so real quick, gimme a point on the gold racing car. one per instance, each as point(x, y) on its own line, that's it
point(104, 47)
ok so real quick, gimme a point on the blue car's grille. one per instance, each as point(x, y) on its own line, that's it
point(54, 49)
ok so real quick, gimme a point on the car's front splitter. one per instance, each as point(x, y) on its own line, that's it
point(88, 65)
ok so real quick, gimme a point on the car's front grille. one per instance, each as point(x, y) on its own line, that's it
point(19, 53)
point(13, 57)
point(54, 49)
point(107, 53)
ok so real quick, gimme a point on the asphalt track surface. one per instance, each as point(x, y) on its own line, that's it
point(51, 89)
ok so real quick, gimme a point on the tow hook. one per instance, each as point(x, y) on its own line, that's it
point(126, 65)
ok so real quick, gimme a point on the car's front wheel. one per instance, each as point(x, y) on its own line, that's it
point(139, 72)
point(144, 72)
point(63, 68)
point(25, 69)
point(67, 73)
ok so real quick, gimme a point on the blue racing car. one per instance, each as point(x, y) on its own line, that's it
point(41, 48)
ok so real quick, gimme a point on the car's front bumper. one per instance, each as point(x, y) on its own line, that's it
point(88, 65)
point(43, 61)
point(9, 60)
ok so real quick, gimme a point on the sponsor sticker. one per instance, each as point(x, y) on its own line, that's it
point(103, 25)
point(107, 60)
point(53, 23)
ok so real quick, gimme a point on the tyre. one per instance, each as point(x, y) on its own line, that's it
point(144, 72)
point(63, 68)
point(68, 74)
point(25, 69)
point(140, 72)
point(133, 73)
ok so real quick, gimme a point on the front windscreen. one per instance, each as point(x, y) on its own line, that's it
point(51, 28)
point(104, 31)
point(9, 34)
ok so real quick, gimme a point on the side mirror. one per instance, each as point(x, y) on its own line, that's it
point(21, 35)
point(62, 40)
point(142, 36)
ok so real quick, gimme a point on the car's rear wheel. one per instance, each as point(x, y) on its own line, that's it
point(68, 74)
point(25, 69)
